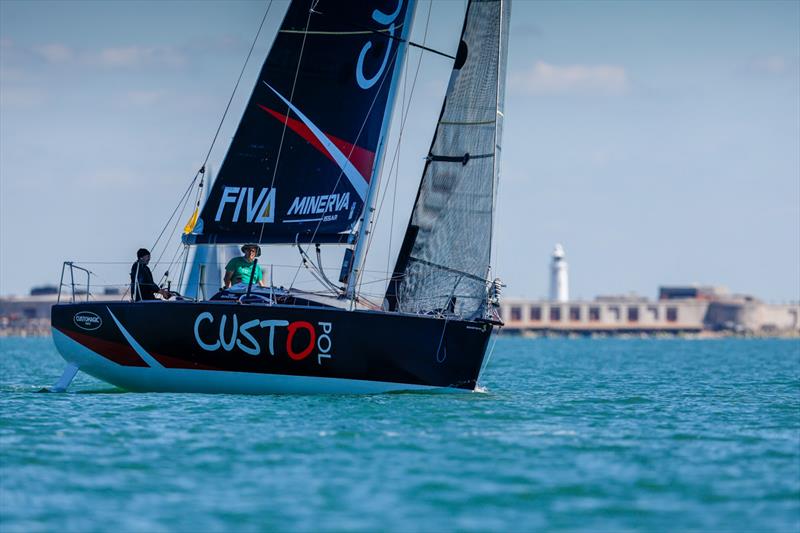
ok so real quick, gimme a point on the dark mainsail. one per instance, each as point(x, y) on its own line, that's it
point(311, 138)
point(444, 259)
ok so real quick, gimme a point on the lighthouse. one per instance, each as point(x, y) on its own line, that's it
point(559, 281)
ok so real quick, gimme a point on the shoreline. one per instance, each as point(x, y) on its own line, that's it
point(41, 331)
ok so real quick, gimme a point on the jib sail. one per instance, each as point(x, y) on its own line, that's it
point(311, 138)
point(445, 256)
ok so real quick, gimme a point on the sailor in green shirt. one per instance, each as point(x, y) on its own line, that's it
point(238, 269)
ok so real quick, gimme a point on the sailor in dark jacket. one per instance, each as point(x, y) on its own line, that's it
point(145, 288)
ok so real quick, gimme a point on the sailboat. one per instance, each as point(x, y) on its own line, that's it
point(302, 169)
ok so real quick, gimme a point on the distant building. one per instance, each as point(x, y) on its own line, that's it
point(559, 276)
point(677, 311)
point(44, 290)
point(30, 315)
point(694, 292)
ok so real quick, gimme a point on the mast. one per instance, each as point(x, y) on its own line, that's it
point(359, 252)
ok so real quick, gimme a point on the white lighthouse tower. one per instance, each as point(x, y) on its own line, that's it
point(559, 281)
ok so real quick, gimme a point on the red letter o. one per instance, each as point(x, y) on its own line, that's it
point(293, 327)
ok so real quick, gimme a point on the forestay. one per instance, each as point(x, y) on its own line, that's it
point(310, 140)
point(445, 256)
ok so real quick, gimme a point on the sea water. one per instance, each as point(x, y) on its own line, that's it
point(604, 434)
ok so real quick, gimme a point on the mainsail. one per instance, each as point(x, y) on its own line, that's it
point(310, 142)
point(445, 256)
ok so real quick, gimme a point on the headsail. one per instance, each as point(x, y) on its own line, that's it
point(310, 140)
point(445, 255)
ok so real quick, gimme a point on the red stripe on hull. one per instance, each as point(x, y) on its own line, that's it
point(121, 354)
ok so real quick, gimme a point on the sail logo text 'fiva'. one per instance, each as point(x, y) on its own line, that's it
point(258, 207)
point(318, 205)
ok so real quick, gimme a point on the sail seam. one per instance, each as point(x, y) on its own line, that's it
point(467, 123)
point(447, 269)
point(365, 32)
point(458, 158)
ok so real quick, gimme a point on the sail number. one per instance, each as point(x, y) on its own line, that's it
point(301, 337)
point(387, 20)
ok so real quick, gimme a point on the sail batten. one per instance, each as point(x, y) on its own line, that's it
point(303, 158)
point(446, 254)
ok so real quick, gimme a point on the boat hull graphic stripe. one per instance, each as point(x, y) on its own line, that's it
point(359, 182)
point(117, 352)
point(361, 158)
point(141, 352)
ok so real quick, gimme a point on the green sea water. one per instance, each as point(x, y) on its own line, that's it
point(623, 435)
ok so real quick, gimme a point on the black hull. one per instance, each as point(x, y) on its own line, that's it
point(229, 347)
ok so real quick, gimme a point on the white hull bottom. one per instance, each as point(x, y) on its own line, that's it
point(160, 379)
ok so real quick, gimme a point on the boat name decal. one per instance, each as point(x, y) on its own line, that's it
point(87, 320)
point(387, 20)
point(248, 336)
point(259, 207)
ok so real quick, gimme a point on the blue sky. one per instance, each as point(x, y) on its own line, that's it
point(658, 141)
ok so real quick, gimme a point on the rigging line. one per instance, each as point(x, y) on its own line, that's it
point(221, 263)
point(392, 175)
point(409, 42)
point(183, 198)
point(495, 334)
point(184, 264)
point(402, 127)
point(316, 267)
point(311, 11)
point(497, 117)
point(358, 136)
point(171, 263)
point(425, 48)
point(219, 126)
point(175, 226)
point(406, 106)
point(366, 217)
point(441, 339)
point(393, 181)
point(321, 271)
point(179, 251)
point(235, 87)
point(352, 149)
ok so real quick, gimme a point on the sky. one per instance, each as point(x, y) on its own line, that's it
point(659, 142)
